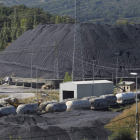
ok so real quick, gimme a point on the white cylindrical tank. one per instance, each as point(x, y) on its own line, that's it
point(98, 103)
point(78, 104)
point(56, 107)
point(111, 99)
point(88, 98)
point(27, 108)
point(43, 105)
point(125, 97)
point(138, 94)
point(69, 99)
point(7, 110)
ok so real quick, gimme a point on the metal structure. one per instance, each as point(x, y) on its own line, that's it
point(137, 115)
point(31, 69)
point(117, 69)
point(77, 21)
point(36, 83)
point(56, 67)
point(93, 75)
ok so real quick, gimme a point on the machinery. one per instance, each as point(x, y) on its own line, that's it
point(12, 101)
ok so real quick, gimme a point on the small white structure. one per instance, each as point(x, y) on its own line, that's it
point(127, 86)
point(80, 89)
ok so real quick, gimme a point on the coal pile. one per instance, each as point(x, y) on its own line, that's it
point(52, 45)
point(34, 133)
point(74, 125)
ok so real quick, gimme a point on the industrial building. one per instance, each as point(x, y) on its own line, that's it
point(127, 86)
point(80, 89)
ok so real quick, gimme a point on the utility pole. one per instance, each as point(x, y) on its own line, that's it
point(34, 21)
point(112, 76)
point(31, 70)
point(74, 40)
point(117, 70)
point(56, 69)
point(93, 75)
point(137, 114)
point(36, 85)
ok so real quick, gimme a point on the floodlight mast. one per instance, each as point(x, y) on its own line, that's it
point(137, 115)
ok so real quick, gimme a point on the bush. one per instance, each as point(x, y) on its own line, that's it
point(122, 134)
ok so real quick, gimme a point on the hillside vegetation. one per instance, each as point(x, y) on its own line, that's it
point(97, 11)
point(15, 20)
point(124, 124)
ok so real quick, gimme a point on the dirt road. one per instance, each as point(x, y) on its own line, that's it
point(15, 91)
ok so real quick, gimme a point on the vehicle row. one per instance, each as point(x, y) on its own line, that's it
point(92, 102)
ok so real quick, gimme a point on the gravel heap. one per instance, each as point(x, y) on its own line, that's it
point(77, 125)
point(99, 42)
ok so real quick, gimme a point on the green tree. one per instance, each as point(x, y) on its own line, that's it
point(67, 77)
point(121, 80)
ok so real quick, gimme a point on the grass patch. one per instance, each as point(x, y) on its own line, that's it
point(3, 96)
point(127, 123)
point(43, 95)
point(119, 108)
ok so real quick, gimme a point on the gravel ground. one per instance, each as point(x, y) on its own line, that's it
point(15, 91)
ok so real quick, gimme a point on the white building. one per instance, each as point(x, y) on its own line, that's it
point(80, 89)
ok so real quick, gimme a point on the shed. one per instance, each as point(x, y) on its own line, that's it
point(80, 89)
point(127, 86)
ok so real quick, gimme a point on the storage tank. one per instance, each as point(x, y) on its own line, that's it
point(98, 103)
point(123, 98)
point(78, 104)
point(43, 105)
point(138, 93)
point(88, 98)
point(111, 99)
point(27, 108)
point(69, 99)
point(7, 110)
point(56, 107)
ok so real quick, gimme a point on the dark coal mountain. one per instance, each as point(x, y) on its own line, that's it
point(50, 48)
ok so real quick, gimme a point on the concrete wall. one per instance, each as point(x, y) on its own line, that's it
point(84, 90)
point(67, 87)
point(96, 90)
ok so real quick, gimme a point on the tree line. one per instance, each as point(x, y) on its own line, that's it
point(16, 20)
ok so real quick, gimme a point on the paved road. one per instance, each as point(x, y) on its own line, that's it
point(15, 91)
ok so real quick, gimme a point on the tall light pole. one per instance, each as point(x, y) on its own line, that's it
point(117, 70)
point(31, 70)
point(137, 115)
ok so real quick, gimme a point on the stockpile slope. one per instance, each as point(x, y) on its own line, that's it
point(76, 125)
point(51, 45)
